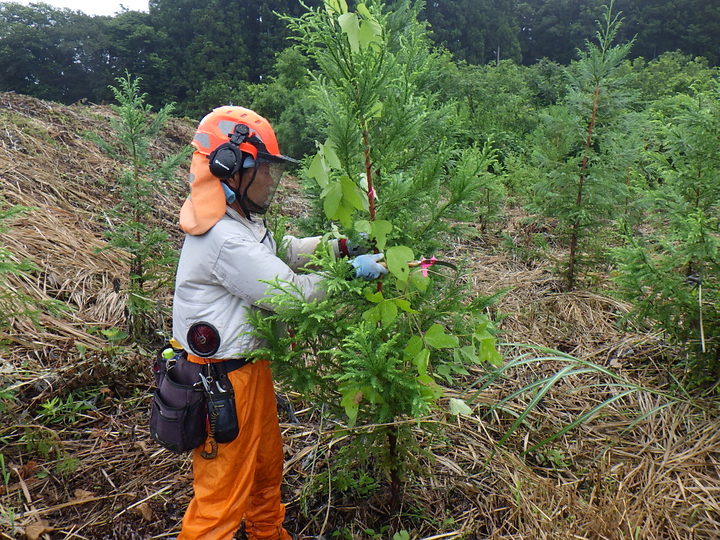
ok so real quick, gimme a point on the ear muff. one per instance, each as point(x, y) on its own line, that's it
point(227, 158)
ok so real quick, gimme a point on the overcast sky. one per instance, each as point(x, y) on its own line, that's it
point(95, 7)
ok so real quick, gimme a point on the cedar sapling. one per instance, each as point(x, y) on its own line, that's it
point(670, 273)
point(375, 354)
point(143, 245)
point(584, 148)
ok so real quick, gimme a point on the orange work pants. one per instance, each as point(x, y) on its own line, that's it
point(245, 477)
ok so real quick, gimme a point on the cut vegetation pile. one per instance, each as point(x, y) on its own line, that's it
point(644, 467)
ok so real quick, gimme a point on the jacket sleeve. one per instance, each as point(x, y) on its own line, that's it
point(244, 265)
point(297, 250)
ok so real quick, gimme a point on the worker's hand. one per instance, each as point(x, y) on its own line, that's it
point(367, 267)
point(351, 248)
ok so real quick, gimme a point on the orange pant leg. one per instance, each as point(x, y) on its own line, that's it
point(245, 477)
point(262, 521)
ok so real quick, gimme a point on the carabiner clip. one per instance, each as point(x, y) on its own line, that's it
point(170, 363)
point(207, 382)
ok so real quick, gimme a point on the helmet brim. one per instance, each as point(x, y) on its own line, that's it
point(279, 158)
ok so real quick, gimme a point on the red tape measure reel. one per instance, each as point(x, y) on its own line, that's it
point(203, 339)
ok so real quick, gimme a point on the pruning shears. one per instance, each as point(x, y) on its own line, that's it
point(425, 264)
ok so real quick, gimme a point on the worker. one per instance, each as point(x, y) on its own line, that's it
point(227, 256)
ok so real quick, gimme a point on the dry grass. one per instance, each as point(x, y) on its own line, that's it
point(646, 467)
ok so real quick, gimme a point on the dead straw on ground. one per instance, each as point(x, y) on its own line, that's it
point(645, 467)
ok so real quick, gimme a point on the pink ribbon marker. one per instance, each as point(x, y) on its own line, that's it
point(425, 264)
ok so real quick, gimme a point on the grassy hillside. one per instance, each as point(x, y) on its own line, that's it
point(77, 460)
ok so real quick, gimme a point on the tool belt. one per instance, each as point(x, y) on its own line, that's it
point(193, 403)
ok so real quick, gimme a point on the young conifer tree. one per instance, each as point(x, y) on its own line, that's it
point(584, 149)
point(376, 354)
point(671, 272)
point(143, 245)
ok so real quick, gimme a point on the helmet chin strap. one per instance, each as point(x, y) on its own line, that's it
point(243, 199)
point(232, 195)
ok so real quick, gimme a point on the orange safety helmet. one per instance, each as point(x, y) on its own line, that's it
point(217, 127)
point(219, 131)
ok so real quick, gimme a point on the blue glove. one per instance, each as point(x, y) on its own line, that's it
point(367, 267)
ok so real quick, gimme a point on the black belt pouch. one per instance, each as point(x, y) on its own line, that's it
point(178, 418)
point(221, 405)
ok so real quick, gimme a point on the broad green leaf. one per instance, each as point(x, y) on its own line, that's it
point(332, 197)
point(345, 214)
point(422, 360)
point(482, 334)
point(331, 156)
point(372, 295)
point(397, 260)
point(114, 334)
point(350, 24)
point(483, 322)
point(444, 370)
point(363, 225)
point(420, 281)
point(364, 11)
point(458, 406)
point(376, 111)
point(362, 181)
point(388, 313)
point(459, 368)
point(404, 305)
point(469, 353)
point(414, 345)
point(328, 188)
point(351, 193)
point(318, 171)
point(336, 6)
point(370, 32)
point(430, 387)
point(379, 230)
point(331, 11)
point(335, 206)
point(372, 315)
point(482, 329)
point(488, 352)
point(436, 337)
point(351, 398)
point(372, 395)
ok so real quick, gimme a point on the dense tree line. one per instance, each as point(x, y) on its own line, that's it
point(189, 52)
point(198, 54)
point(481, 31)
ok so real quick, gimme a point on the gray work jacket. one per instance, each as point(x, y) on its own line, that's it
point(219, 278)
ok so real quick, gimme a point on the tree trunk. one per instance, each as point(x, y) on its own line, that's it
point(581, 183)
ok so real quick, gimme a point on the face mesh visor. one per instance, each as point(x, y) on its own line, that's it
point(266, 179)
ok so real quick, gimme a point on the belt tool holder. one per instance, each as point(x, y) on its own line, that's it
point(222, 417)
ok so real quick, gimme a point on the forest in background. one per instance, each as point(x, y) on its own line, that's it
point(201, 53)
point(582, 199)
